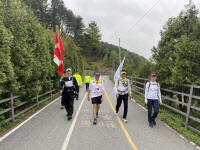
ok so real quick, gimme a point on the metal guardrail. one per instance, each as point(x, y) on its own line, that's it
point(139, 84)
point(12, 107)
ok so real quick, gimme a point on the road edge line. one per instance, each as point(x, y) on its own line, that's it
point(121, 124)
point(21, 124)
point(66, 142)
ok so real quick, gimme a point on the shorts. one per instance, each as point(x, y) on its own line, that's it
point(96, 100)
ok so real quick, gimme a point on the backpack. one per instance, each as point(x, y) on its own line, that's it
point(150, 85)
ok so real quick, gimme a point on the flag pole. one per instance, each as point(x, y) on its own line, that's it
point(59, 48)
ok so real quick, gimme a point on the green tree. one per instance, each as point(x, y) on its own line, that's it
point(6, 68)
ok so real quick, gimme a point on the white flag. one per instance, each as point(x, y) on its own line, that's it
point(117, 74)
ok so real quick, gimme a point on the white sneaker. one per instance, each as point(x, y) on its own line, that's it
point(125, 120)
point(116, 114)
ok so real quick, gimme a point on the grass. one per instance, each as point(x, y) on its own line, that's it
point(176, 122)
point(26, 115)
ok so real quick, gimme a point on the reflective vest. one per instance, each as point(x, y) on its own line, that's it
point(78, 79)
point(87, 79)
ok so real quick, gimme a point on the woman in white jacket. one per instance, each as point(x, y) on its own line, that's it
point(152, 98)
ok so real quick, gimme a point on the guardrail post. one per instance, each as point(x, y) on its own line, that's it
point(37, 101)
point(51, 93)
point(135, 86)
point(12, 114)
point(189, 109)
point(144, 87)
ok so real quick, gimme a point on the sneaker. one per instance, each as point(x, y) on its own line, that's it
point(151, 124)
point(154, 122)
point(69, 117)
point(62, 107)
point(97, 115)
point(116, 113)
point(125, 120)
point(95, 121)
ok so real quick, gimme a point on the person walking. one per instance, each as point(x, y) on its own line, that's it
point(69, 84)
point(152, 98)
point(123, 91)
point(79, 81)
point(62, 99)
point(96, 88)
point(87, 80)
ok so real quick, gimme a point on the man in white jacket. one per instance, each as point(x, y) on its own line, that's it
point(123, 91)
point(152, 98)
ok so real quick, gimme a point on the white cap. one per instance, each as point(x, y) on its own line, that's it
point(68, 69)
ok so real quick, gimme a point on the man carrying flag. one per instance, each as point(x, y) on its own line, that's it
point(67, 85)
point(123, 91)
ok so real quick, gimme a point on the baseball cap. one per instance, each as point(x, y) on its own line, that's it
point(123, 72)
point(77, 70)
point(153, 74)
point(68, 69)
point(97, 74)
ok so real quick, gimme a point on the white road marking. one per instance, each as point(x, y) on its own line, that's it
point(13, 130)
point(66, 142)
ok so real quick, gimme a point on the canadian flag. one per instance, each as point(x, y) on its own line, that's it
point(58, 58)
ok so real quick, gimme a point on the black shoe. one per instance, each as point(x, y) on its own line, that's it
point(151, 124)
point(95, 121)
point(69, 117)
point(97, 115)
point(62, 107)
point(154, 122)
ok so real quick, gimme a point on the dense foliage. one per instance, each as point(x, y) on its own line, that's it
point(26, 50)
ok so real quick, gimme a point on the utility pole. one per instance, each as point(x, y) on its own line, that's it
point(119, 53)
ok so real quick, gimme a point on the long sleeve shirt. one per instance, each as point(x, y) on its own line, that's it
point(153, 91)
point(122, 87)
point(68, 83)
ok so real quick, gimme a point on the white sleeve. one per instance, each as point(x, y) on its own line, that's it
point(146, 89)
point(102, 88)
point(90, 86)
point(116, 86)
point(159, 93)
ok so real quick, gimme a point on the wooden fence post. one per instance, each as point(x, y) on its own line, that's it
point(12, 113)
point(189, 109)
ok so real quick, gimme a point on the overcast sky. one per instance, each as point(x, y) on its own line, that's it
point(116, 17)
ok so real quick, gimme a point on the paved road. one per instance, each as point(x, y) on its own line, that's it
point(48, 130)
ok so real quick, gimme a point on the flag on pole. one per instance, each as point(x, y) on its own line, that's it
point(117, 74)
point(58, 58)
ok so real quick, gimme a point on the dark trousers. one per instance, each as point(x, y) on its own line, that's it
point(77, 95)
point(69, 102)
point(119, 102)
point(87, 86)
point(155, 105)
point(62, 99)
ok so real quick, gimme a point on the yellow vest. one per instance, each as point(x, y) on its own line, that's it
point(78, 79)
point(87, 79)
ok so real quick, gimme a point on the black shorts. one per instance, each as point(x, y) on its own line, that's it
point(96, 100)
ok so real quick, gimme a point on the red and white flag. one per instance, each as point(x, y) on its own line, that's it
point(58, 58)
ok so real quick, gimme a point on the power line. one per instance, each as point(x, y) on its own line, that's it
point(144, 15)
